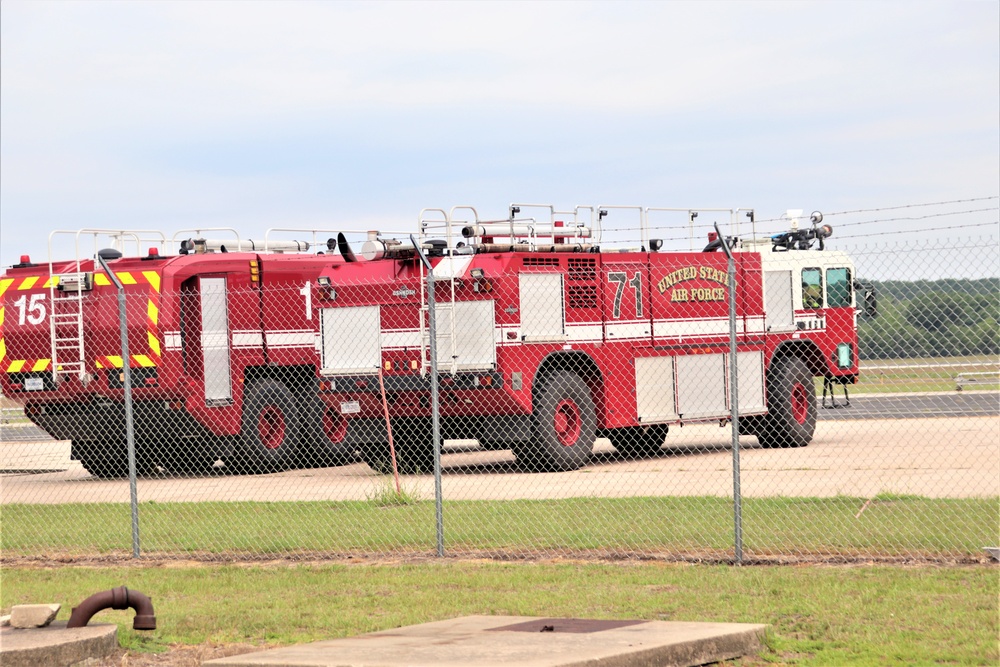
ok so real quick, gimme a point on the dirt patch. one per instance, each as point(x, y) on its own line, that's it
point(719, 557)
point(178, 655)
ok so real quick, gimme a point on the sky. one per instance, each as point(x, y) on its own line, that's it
point(339, 115)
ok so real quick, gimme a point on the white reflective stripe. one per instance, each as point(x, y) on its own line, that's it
point(582, 332)
point(396, 339)
point(628, 330)
point(681, 328)
point(296, 338)
point(501, 335)
point(244, 339)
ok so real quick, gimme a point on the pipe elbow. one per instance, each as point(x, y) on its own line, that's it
point(116, 598)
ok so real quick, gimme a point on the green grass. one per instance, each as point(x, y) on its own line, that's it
point(903, 377)
point(896, 526)
point(873, 615)
point(386, 494)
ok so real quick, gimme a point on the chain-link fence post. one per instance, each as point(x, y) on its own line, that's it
point(734, 393)
point(435, 405)
point(129, 422)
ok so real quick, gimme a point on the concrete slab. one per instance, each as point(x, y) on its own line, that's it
point(486, 641)
point(56, 645)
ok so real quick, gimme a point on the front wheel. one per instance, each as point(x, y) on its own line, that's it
point(791, 406)
point(564, 424)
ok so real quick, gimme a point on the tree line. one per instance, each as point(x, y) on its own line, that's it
point(932, 318)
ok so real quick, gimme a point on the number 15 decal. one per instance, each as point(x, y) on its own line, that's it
point(32, 312)
point(621, 278)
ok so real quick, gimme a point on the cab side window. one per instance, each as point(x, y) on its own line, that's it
point(838, 288)
point(812, 288)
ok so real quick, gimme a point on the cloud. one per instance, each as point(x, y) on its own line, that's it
point(165, 112)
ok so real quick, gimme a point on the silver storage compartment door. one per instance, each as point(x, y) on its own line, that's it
point(351, 342)
point(215, 340)
point(541, 306)
point(654, 389)
point(474, 344)
point(701, 386)
point(779, 313)
point(751, 385)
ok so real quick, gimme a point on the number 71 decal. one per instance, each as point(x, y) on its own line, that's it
point(621, 278)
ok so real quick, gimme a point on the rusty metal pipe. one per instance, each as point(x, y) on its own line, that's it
point(116, 598)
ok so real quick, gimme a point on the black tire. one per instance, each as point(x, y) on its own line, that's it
point(564, 425)
point(634, 442)
point(791, 406)
point(330, 444)
point(413, 442)
point(269, 440)
point(110, 460)
point(190, 457)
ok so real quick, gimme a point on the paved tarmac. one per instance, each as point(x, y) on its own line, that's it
point(938, 458)
point(522, 641)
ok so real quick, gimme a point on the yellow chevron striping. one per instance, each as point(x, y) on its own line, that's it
point(52, 281)
point(154, 343)
point(152, 312)
point(143, 360)
point(101, 279)
point(4, 284)
point(126, 278)
point(28, 283)
point(153, 278)
point(40, 365)
point(116, 362)
point(16, 366)
point(1, 315)
point(3, 349)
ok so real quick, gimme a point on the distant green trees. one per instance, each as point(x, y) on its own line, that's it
point(940, 318)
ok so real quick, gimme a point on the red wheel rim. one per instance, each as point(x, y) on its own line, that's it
point(335, 427)
point(567, 423)
point(800, 403)
point(271, 427)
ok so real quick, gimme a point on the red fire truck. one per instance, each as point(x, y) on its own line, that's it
point(271, 355)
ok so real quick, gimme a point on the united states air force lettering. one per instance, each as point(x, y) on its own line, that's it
point(672, 280)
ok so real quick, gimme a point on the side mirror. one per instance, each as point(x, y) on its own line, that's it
point(866, 291)
point(871, 302)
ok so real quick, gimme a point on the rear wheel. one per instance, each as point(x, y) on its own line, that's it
point(791, 406)
point(564, 424)
point(270, 434)
point(190, 457)
point(110, 460)
point(329, 441)
point(413, 442)
point(638, 441)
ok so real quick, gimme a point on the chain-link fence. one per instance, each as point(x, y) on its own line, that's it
point(585, 403)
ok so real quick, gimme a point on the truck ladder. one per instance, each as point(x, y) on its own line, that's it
point(428, 225)
point(66, 327)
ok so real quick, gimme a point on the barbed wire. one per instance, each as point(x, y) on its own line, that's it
point(699, 229)
point(933, 229)
point(896, 208)
point(886, 233)
point(860, 251)
point(917, 217)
